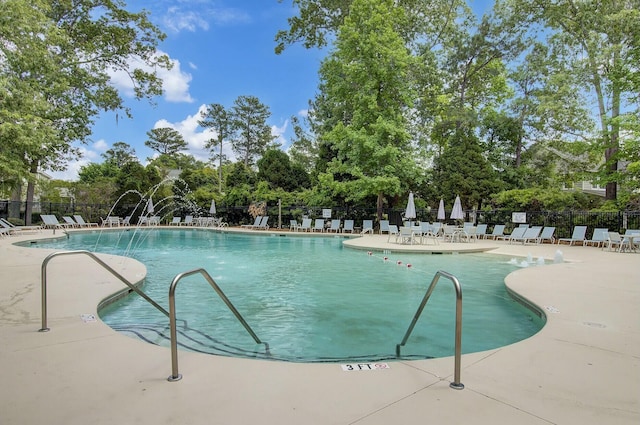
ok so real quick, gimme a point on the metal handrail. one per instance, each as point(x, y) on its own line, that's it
point(91, 255)
point(175, 376)
point(456, 384)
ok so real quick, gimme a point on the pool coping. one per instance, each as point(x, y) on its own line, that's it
point(569, 372)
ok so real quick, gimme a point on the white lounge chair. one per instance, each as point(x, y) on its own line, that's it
point(335, 226)
point(12, 229)
point(615, 240)
point(405, 235)
point(176, 221)
point(547, 234)
point(80, 220)
point(384, 226)
point(319, 225)
point(306, 225)
point(498, 231)
point(188, 221)
point(256, 222)
point(481, 231)
point(264, 223)
point(367, 226)
point(530, 234)
point(294, 226)
point(578, 235)
point(516, 234)
point(51, 222)
point(69, 221)
point(348, 226)
point(597, 239)
point(392, 230)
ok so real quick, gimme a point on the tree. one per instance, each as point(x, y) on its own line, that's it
point(120, 154)
point(365, 93)
point(165, 141)
point(57, 60)
point(276, 169)
point(252, 135)
point(598, 40)
point(217, 119)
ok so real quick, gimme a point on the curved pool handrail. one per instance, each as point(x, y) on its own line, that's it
point(107, 267)
point(175, 376)
point(456, 384)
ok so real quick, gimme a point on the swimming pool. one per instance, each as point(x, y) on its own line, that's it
point(309, 298)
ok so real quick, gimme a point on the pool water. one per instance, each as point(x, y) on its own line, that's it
point(309, 298)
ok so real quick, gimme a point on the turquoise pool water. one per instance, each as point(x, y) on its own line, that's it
point(309, 298)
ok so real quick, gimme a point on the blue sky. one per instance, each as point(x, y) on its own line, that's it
point(221, 49)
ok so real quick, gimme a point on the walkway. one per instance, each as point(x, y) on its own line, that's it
point(582, 368)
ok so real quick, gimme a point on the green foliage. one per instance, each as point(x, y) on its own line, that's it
point(275, 168)
point(537, 199)
point(251, 134)
point(165, 141)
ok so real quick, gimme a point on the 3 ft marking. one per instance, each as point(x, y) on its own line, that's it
point(365, 366)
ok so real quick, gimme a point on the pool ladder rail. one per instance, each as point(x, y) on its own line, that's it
point(175, 376)
point(456, 384)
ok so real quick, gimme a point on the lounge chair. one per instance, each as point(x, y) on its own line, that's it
point(348, 226)
point(516, 234)
point(498, 231)
point(448, 233)
point(306, 225)
point(51, 222)
point(12, 229)
point(80, 220)
point(481, 231)
point(335, 226)
point(632, 238)
point(69, 221)
point(392, 230)
point(319, 226)
point(547, 234)
point(256, 222)
point(597, 239)
point(176, 221)
point(384, 226)
point(154, 220)
point(578, 235)
point(188, 221)
point(615, 240)
point(468, 234)
point(530, 234)
point(436, 228)
point(264, 224)
point(294, 226)
point(367, 226)
point(6, 229)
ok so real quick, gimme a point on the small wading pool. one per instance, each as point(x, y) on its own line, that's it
point(309, 298)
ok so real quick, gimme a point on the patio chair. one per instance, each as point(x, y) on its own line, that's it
point(367, 226)
point(13, 228)
point(392, 231)
point(547, 235)
point(448, 233)
point(436, 228)
point(319, 225)
point(6, 229)
point(498, 231)
point(125, 222)
point(384, 226)
point(51, 222)
point(69, 221)
point(481, 231)
point(335, 226)
point(516, 234)
point(306, 225)
point(405, 235)
point(348, 226)
point(615, 240)
point(530, 234)
point(256, 222)
point(578, 235)
point(80, 220)
point(176, 221)
point(264, 224)
point(294, 226)
point(597, 239)
point(468, 234)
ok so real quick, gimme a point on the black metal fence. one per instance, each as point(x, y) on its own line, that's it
point(563, 221)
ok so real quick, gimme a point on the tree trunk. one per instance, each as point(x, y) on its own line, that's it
point(379, 206)
point(31, 189)
point(16, 200)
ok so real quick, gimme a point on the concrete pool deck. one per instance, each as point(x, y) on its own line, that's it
point(583, 367)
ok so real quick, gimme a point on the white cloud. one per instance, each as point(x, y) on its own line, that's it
point(195, 136)
point(88, 154)
point(193, 16)
point(278, 132)
point(177, 20)
point(175, 82)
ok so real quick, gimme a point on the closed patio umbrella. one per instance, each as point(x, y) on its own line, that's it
point(150, 208)
point(410, 212)
point(456, 212)
point(212, 210)
point(441, 214)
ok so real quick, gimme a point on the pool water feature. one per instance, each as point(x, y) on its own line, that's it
point(309, 298)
